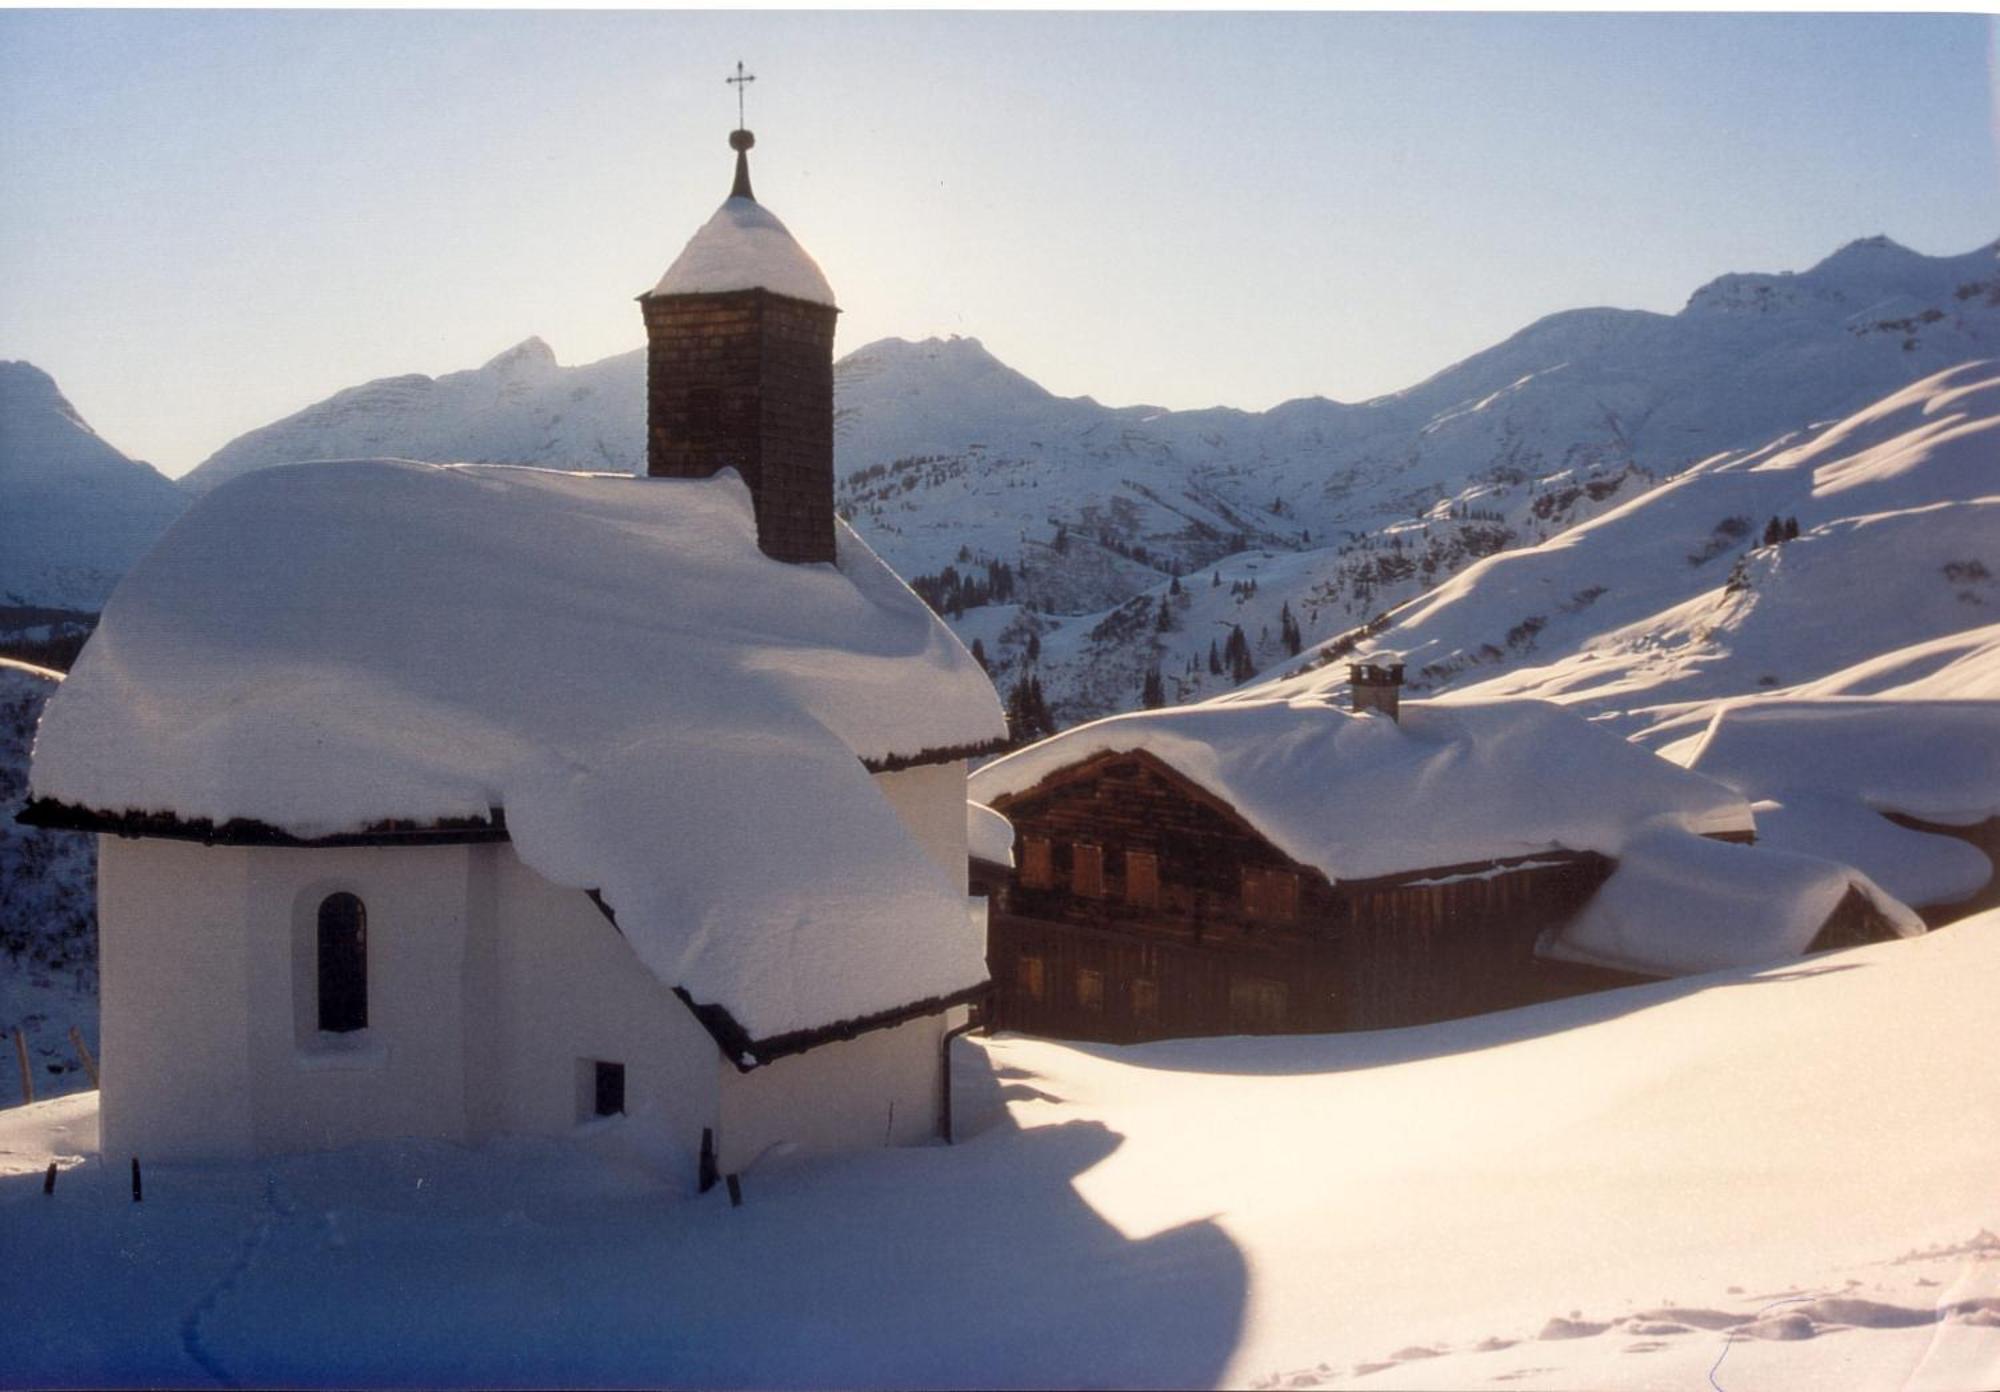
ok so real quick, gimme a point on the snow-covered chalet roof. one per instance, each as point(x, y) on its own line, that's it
point(1679, 904)
point(1363, 796)
point(662, 713)
point(745, 247)
point(1938, 761)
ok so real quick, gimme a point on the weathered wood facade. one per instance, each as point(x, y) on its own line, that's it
point(744, 380)
point(1142, 906)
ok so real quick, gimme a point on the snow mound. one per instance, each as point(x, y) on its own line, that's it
point(1680, 904)
point(664, 714)
point(1360, 796)
point(745, 247)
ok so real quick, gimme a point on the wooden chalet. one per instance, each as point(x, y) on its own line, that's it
point(1143, 906)
point(1432, 870)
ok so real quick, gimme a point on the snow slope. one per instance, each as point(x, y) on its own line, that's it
point(1771, 1179)
point(662, 713)
point(74, 512)
point(1672, 597)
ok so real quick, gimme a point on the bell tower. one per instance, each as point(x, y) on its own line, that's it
point(739, 369)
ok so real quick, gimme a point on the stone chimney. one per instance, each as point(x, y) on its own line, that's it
point(1377, 684)
point(739, 370)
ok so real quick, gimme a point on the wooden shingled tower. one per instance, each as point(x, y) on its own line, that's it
point(739, 370)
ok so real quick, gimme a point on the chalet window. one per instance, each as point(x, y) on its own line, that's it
point(1086, 872)
point(343, 964)
point(1256, 1004)
point(1090, 989)
point(1028, 977)
point(1271, 895)
point(610, 1084)
point(1037, 864)
point(704, 411)
point(1142, 879)
point(1145, 1000)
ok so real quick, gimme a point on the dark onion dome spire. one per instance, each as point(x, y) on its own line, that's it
point(740, 141)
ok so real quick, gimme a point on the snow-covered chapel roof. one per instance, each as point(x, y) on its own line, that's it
point(663, 714)
point(745, 247)
point(1363, 796)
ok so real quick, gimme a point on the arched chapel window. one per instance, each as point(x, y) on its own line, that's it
point(343, 964)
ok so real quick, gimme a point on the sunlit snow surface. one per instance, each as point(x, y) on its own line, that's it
point(745, 247)
point(663, 713)
point(1781, 1178)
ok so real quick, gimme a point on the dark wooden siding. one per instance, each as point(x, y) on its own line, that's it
point(744, 380)
point(1227, 934)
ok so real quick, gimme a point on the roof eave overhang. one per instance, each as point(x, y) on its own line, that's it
point(55, 815)
point(748, 1053)
point(747, 292)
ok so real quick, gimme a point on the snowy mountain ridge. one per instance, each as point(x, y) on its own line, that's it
point(75, 513)
point(949, 458)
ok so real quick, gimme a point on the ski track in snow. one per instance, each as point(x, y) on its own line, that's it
point(276, 1208)
point(1827, 1311)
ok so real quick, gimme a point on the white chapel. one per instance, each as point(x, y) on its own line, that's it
point(450, 801)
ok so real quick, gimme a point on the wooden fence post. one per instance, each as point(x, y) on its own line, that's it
point(138, 1193)
point(706, 1173)
point(49, 1179)
point(83, 1052)
point(27, 1075)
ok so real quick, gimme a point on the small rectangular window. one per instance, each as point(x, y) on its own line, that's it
point(1257, 1004)
point(1142, 879)
point(1145, 1000)
point(1037, 864)
point(1271, 895)
point(1090, 989)
point(1086, 875)
point(610, 1089)
point(1028, 977)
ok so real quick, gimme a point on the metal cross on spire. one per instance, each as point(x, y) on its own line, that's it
point(738, 82)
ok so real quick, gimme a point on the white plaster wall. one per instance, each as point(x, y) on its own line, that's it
point(571, 990)
point(879, 1089)
point(931, 802)
point(404, 1075)
point(175, 1031)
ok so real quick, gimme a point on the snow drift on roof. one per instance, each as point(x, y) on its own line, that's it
point(1826, 769)
point(1359, 796)
point(664, 714)
point(1935, 760)
point(745, 247)
point(1679, 904)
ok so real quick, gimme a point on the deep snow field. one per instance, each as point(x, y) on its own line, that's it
point(1784, 1178)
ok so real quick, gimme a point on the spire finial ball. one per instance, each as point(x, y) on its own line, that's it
point(741, 140)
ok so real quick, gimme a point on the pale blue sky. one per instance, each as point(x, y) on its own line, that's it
point(211, 219)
